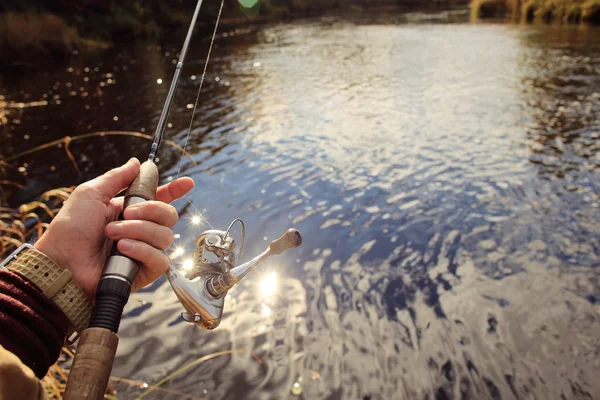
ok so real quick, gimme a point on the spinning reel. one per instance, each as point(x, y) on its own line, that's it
point(215, 271)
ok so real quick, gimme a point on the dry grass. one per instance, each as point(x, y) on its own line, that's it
point(561, 11)
point(55, 382)
point(565, 11)
point(485, 9)
point(32, 219)
point(29, 220)
point(67, 140)
point(590, 11)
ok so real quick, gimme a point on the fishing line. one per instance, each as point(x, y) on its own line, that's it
point(199, 213)
point(212, 41)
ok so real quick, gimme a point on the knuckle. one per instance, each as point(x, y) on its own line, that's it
point(173, 215)
point(132, 228)
point(170, 237)
point(111, 173)
point(162, 262)
point(153, 206)
point(163, 213)
point(88, 190)
point(163, 238)
point(83, 189)
point(154, 210)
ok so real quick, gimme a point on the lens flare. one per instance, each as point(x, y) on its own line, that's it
point(196, 220)
point(178, 252)
point(266, 311)
point(268, 285)
point(188, 264)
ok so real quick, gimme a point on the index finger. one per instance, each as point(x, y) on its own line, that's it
point(174, 190)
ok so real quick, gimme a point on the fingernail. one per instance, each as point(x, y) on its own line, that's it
point(114, 229)
point(125, 245)
point(133, 212)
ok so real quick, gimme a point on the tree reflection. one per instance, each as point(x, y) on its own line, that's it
point(560, 85)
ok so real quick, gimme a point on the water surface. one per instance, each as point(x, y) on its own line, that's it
point(445, 178)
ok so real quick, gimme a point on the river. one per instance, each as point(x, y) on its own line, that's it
point(445, 177)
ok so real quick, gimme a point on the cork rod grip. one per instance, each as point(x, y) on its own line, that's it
point(93, 363)
point(145, 183)
point(290, 239)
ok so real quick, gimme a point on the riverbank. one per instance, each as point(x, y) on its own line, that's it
point(57, 31)
point(548, 11)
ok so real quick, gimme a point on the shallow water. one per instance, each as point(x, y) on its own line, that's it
point(445, 178)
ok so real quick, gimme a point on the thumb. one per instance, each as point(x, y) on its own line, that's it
point(116, 179)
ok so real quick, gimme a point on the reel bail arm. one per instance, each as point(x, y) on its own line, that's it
point(220, 284)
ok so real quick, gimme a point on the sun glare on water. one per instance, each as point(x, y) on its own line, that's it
point(188, 264)
point(177, 252)
point(268, 285)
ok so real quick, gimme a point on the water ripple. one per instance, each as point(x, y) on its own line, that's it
point(444, 176)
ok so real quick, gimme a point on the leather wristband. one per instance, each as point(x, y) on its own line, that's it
point(55, 282)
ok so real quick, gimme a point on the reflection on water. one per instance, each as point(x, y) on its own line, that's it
point(445, 180)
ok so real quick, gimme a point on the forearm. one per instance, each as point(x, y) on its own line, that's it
point(31, 326)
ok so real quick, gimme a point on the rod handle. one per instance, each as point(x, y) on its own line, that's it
point(92, 365)
point(145, 183)
point(290, 239)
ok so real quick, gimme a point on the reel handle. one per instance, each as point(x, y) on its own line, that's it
point(290, 239)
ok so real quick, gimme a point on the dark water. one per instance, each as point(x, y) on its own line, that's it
point(445, 178)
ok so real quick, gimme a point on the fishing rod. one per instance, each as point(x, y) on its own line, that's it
point(202, 292)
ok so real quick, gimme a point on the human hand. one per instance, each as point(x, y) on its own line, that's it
point(80, 236)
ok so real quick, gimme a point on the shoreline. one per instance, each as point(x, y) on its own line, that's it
point(55, 38)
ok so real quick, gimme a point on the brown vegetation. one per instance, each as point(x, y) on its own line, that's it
point(561, 11)
point(25, 34)
point(55, 382)
point(29, 220)
point(57, 28)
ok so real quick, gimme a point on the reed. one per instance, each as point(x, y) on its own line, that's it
point(486, 9)
point(18, 226)
point(29, 221)
point(55, 382)
point(556, 11)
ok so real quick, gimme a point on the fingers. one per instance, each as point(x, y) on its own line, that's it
point(153, 234)
point(154, 261)
point(115, 180)
point(166, 193)
point(174, 190)
point(154, 211)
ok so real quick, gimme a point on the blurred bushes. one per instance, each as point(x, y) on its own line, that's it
point(58, 26)
point(489, 8)
point(24, 34)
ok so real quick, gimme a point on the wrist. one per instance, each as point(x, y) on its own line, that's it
point(44, 246)
point(54, 282)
